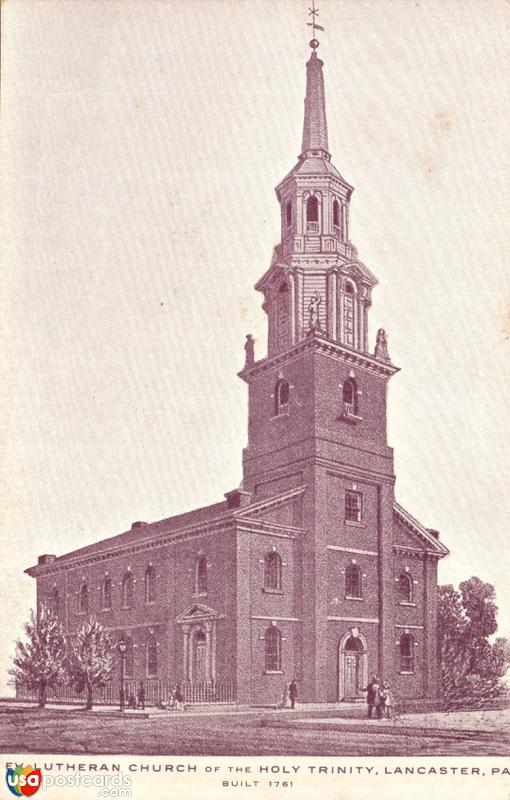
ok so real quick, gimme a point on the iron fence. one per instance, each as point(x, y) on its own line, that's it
point(156, 692)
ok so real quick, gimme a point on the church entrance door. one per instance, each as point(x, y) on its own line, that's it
point(352, 668)
point(200, 672)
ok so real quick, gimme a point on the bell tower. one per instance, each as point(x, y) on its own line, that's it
point(317, 408)
point(317, 294)
point(316, 280)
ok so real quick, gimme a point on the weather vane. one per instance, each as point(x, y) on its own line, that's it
point(314, 13)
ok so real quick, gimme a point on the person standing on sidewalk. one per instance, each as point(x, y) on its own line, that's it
point(141, 696)
point(179, 698)
point(387, 696)
point(378, 699)
point(371, 695)
point(293, 693)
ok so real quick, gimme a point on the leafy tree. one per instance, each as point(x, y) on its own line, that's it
point(39, 662)
point(91, 658)
point(471, 667)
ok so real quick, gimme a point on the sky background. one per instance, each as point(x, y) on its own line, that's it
point(144, 140)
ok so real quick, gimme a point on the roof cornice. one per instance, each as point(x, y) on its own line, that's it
point(318, 342)
point(223, 523)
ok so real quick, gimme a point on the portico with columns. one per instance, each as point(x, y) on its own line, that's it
point(198, 630)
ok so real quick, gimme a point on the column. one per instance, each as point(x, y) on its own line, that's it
point(213, 652)
point(292, 308)
point(185, 652)
point(331, 292)
point(208, 648)
point(299, 213)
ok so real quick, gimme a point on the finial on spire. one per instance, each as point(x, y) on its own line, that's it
point(314, 13)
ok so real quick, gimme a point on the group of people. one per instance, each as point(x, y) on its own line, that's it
point(175, 701)
point(289, 694)
point(380, 698)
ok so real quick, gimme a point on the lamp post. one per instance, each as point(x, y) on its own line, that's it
point(122, 651)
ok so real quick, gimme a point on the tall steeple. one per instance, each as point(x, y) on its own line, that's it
point(316, 283)
point(315, 126)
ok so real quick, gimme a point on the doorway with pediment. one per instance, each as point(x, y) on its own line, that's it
point(198, 626)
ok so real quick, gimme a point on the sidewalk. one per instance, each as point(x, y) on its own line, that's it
point(334, 717)
point(348, 709)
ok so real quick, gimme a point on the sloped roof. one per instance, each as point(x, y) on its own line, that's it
point(215, 513)
point(426, 537)
point(315, 166)
point(147, 532)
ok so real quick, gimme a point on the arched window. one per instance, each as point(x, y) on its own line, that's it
point(348, 315)
point(107, 594)
point(83, 599)
point(150, 584)
point(405, 588)
point(55, 601)
point(312, 209)
point(350, 397)
point(281, 398)
point(336, 214)
point(152, 658)
point(127, 590)
point(272, 650)
point(201, 575)
point(353, 581)
point(129, 659)
point(406, 653)
point(288, 215)
point(272, 571)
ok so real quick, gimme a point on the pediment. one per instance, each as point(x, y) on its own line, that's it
point(197, 612)
point(358, 270)
point(404, 537)
point(409, 533)
point(274, 275)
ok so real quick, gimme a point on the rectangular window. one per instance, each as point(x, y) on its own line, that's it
point(407, 653)
point(353, 506)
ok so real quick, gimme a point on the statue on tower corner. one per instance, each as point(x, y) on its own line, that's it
point(313, 310)
point(381, 346)
point(249, 348)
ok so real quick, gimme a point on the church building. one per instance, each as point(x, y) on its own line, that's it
point(311, 569)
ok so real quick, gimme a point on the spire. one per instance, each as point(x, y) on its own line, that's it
point(315, 127)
